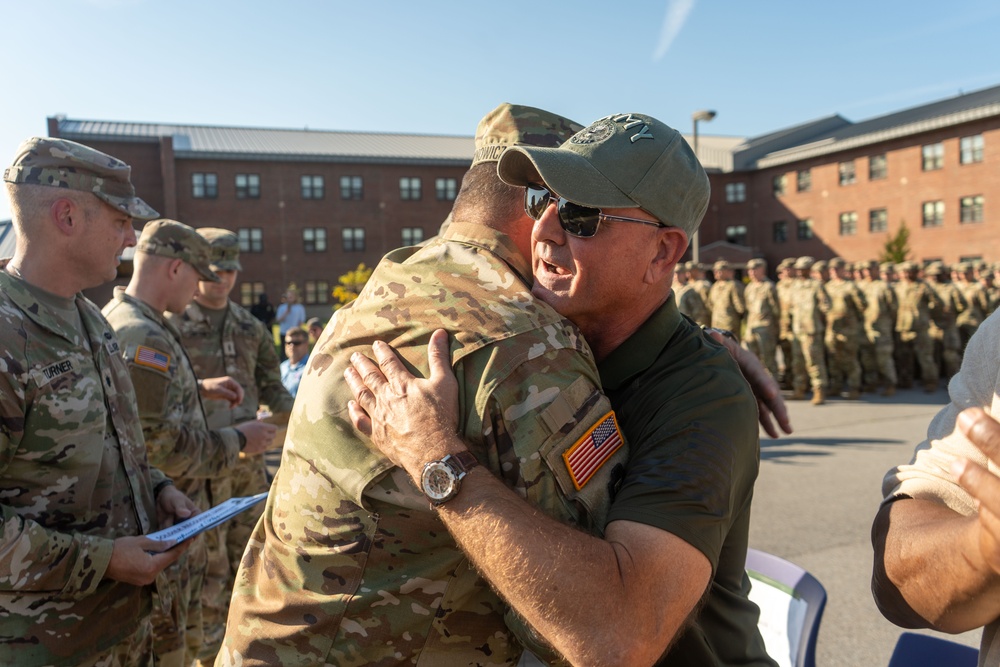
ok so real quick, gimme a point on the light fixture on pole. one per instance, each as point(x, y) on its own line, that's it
point(703, 115)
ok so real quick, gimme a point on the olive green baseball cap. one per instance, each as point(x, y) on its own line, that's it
point(225, 248)
point(62, 163)
point(169, 238)
point(621, 161)
point(514, 125)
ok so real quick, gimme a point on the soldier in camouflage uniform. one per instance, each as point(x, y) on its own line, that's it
point(944, 327)
point(402, 589)
point(844, 330)
point(976, 301)
point(170, 259)
point(223, 338)
point(877, 360)
point(763, 315)
point(786, 280)
point(688, 298)
point(807, 315)
point(913, 319)
point(78, 491)
point(725, 299)
point(697, 279)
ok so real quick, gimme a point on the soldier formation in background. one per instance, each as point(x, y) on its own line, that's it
point(839, 328)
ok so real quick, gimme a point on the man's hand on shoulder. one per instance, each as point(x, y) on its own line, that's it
point(411, 420)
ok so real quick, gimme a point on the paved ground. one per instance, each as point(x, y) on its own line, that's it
point(815, 498)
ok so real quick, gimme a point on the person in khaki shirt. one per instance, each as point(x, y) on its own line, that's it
point(763, 315)
point(725, 300)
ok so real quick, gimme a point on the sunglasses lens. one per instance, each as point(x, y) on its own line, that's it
point(581, 221)
point(536, 200)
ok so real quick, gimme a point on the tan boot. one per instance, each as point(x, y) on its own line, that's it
point(890, 390)
point(819, 396)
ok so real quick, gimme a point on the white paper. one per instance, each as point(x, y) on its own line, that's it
point(208, 519)
point(782, 617)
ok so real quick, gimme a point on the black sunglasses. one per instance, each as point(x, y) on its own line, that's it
point(577, 220)
point(295, 342)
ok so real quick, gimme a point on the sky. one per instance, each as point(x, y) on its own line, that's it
point(436, 67)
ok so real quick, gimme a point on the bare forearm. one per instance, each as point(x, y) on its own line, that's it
point(929, 572)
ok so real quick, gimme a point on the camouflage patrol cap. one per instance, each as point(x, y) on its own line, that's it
point(626, 160)
point(786, 263)
point(721, 265)
point(804, 262)
point(961, 267)
point(905, 267)
point(887, 266)
point(837, 263)
point(513, 124)
point(820, 265)
point(61, 163)
point(169, 238)
point(934, 269)
point(757, 262)
point(225, 248)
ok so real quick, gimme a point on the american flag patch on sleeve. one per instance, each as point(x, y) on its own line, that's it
point(591, 451)
point(147, 356)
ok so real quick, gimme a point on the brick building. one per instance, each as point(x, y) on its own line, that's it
point(836, 188)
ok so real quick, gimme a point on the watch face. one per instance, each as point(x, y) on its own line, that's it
point(439, 481)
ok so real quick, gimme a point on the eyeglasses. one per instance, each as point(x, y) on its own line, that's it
point(295, 342)
point(576, 220)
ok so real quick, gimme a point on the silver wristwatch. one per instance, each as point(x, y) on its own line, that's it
point(442, 480)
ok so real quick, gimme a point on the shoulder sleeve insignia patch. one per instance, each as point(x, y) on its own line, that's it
point(591, 451)
point(147, 356)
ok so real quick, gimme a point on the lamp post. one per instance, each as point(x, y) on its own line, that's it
point(703, 115)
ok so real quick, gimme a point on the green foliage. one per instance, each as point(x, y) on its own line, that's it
point(897, 248)
point(351, 284)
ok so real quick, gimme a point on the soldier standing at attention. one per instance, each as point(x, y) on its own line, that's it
point(809, 305)
point(223, 338)
point(944, 327)
point(725, 299)
point(786, 280)
point(916, 301)
point(170, 259)
point(844, 331)
point(976, 301)
point(697, 278)
point(78, 493)
point(880, 324)
point(689, 300)
point(763, 315)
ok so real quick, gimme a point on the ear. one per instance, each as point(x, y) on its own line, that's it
point(174, 267)
point(671, 244)
point(66, 215)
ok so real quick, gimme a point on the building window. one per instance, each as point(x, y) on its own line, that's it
point(251, 239)
point(409, 188)
point(933, 156)
point(446, 189)
point(778, 185)
point(877, 167)
point(779, 231)
point(204, 185)
point(972, 209)
point(737, 234)
point(312, 186)
point(805, 229)
point(878, 220)
point(970, 258)
point(412, 236)
point(354, 239)
point(314, 239)
point(847, 173)
point(248, 186)
point(317, 292)
point(848, 223)
point(250, 293)
point(804, 180)
point(351, 187)
point(736, 192)
point(933, 213)
point(971, 149)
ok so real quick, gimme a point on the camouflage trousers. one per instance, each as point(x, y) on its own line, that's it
point(785, 345)
point(915, 348)
point(843, 365)
point(177, 618)
point(877, 361)
point(947, 350)
point(808, 363)
point(763, 342)
point(225, 549)
point(136, 651)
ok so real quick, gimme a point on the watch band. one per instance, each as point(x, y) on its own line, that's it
point(465, 461)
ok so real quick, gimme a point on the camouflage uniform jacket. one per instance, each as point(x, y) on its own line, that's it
point(690, 303)
point(847, 308)
point(763, 310)
point(784, 290)
point(725, 300)
point(916, 301)
point(243, 350)
point(977, 301)
point(365, 572)
point(177, 435)
point(951, 305)
point(809, 304)
point(880, 313)
point(73, 477)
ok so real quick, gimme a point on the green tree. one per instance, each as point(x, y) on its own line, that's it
point(897, 248)
point(351, 284)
